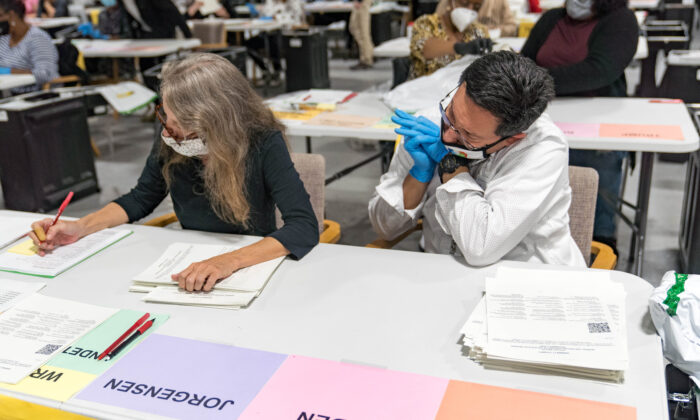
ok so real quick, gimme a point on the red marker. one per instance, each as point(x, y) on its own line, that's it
point(123, 336)
point(131, 339)
point(347, 98)
point(63, 207)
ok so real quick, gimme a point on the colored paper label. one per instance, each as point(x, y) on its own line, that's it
point(187, 379)
point(306, 388)
point(296, 115)
point(579, 129)
point(25, 248)
point(342, 120)
point(465, 400)
point(52, 382)
point(641, 131)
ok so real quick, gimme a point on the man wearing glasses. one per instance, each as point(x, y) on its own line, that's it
point(491, 181)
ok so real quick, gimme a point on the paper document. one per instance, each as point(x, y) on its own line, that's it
point(548, 321)
point(12, 228)
point(180, 255)
point(127, 97)
point(23, 258)
point(40, 327)
point(343, 120)
point(168, 294)
point(324, 99)
point(12, 292)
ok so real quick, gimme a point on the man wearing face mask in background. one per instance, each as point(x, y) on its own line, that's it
point(446, 35)
point(586, 47)
point(25, 49)
point(509, 199)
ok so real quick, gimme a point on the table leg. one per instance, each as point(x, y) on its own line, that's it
point(115, 70)
point(308, 144)
point(640, 218)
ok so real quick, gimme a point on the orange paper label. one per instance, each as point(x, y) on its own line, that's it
point(465, 400)
point(641, 131)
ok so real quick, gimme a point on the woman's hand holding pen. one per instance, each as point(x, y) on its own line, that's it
point(62, 233)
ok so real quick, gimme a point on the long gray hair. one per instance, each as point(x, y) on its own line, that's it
point(209, 96)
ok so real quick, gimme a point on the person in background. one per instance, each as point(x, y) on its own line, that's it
point(289, 13)
point(154, 19)
point(224, 161)
point(30, 7)
point(226, 11)
point(451, 32)
point(52, 8)
point(508, 197)
point(361, 29)
point(496, 14)
point(586, 47)
point(25, 49)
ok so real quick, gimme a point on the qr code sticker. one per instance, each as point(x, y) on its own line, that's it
point(598, 327)
point(48, 349)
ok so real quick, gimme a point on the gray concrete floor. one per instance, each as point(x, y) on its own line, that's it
point(347, 198)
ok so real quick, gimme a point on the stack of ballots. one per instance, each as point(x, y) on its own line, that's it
point(234, 292)
point(569, 323)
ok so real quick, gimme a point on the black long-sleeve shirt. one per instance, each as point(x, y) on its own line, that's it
point(160, 15)
point(611, 47)
point(270, 179)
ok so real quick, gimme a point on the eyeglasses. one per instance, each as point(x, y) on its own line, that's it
point(444, 103)
point(163, 118)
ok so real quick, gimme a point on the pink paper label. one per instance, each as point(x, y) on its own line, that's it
point(305, 388)
point(579, 129)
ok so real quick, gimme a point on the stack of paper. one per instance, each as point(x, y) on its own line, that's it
point(13, 292)
point(550, 322)
point(322, 99)
point(23, 258)
point(233, 292)
point(127, 97)
point(13, 228)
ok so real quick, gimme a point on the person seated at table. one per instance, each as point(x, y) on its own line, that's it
point(496, 14)
point(289, 13)
point(224, 161)
point(52, 8)
point(226, 11)
point(510, 199)
point(30, 7)
point(586, 47)
point(25, 49)
point(449, 33)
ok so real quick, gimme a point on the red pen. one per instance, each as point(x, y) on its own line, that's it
point(131, 339)
point(347, 98)
point(63, 207)
point(123, 336)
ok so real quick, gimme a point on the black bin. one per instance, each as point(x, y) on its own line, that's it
point(44, 151)
point(689, 239)
point(306, 55)
point(381, 27)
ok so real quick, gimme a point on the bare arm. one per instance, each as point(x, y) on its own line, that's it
point(413, 192)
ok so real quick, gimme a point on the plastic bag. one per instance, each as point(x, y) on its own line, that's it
point(675, 311)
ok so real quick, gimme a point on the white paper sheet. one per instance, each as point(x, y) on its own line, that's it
point(12, 228)
point(127, 97)
point(555, 318)
point(40, 327)
point(180, 255)
point(12, 292)
point(217, 298)
point(62, 258)
point(209, 7)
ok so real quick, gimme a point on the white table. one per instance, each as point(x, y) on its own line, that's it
point(644, 4)
point(333, 6)
point(133, 48)
point(571, 110)
point(394, 309)
point(401, 47)
point(241, 25)
point(11, 81)
point(52, 23)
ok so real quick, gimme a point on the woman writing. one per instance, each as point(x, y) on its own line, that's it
point(224, 162)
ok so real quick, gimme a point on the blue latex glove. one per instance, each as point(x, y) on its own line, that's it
point(423, 166)
point(253, 11)
point(85, 28)
point(96, 34)
point(423, 131)
point(5, 70)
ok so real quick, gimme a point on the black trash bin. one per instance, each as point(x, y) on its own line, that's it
point(306, 55)
point(45, 151)
point(662, 35)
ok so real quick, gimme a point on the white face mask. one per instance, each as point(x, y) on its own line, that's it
point(462, 17)
point(579, 9)
point(189, 148)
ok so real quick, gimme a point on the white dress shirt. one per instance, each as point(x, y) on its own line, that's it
point(513, 205)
